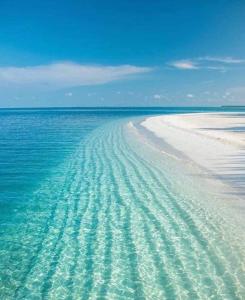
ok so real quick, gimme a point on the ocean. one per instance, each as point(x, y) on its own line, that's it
point(90, 211)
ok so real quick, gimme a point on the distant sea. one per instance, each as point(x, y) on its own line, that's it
point(89, 211)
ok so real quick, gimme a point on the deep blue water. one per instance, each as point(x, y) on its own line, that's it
point(78, 219)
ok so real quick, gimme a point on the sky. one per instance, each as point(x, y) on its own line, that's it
point(59, 53)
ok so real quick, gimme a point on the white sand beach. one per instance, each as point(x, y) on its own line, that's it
point(214, 141)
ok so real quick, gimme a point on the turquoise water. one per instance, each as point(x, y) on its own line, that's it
point(91, 210)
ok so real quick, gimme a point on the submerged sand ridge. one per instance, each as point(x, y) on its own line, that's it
point(214, 141)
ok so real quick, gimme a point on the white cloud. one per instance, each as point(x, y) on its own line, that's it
point(69, 94)
point(184, 64)
point(226, 95)
point(157, 96)
point(225, 60)
point(66, 74)
point(206, 62)
point(190, 95)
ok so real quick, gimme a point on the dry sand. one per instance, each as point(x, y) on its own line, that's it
point(214, 141)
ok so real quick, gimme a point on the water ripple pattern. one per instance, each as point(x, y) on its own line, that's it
point(114, 222)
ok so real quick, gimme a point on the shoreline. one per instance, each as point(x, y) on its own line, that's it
point(213, 141)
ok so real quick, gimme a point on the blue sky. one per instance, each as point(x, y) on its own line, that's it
point(122, 53)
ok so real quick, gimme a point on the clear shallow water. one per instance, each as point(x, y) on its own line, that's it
point(89, 212)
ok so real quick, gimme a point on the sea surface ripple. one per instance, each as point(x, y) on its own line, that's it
point(118, 220)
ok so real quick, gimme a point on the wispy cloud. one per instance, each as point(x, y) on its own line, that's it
point(206, 62)
point(66, 74)
point(157, 96)
point(224, 60)
point(184, 64)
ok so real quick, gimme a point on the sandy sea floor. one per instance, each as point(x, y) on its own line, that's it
point(124, 216)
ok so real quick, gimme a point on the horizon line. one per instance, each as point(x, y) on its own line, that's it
point(120, 107)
